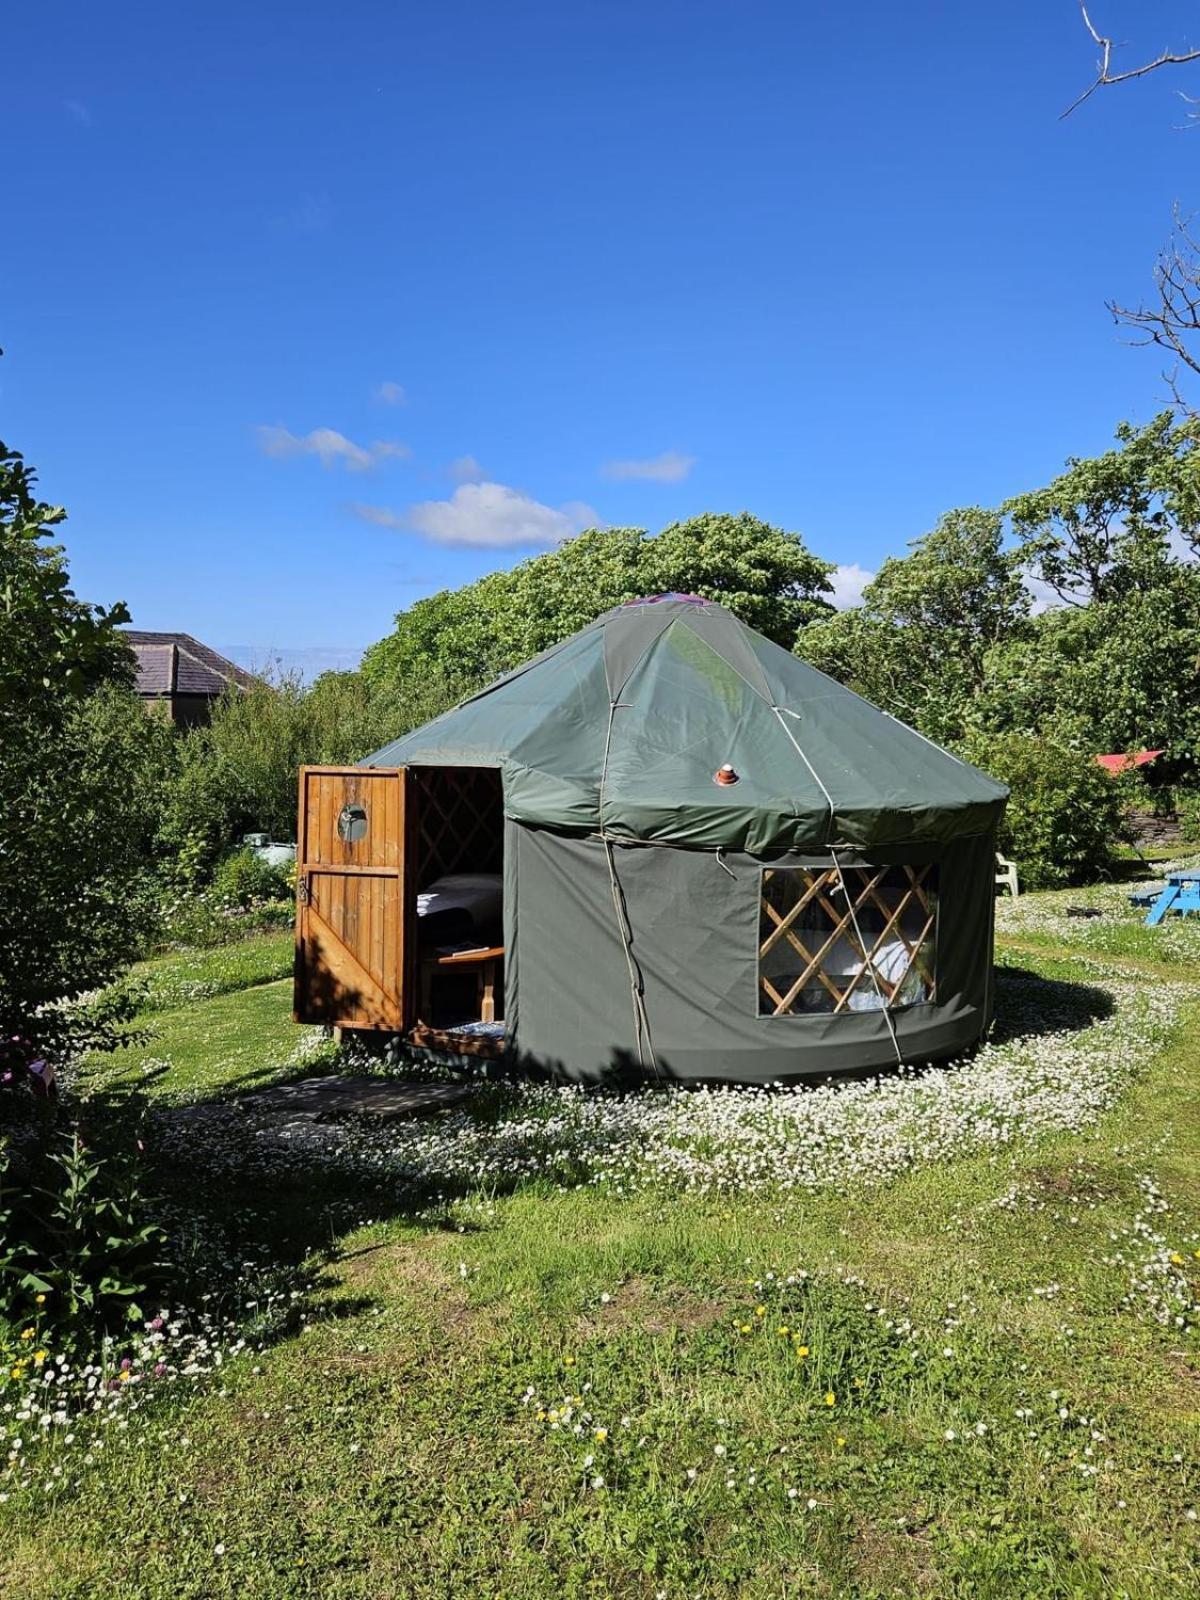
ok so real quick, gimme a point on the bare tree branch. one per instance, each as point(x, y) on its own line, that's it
point(1173, 324)
point(1104, 73)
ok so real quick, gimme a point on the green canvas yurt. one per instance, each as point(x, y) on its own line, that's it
point(666, 846)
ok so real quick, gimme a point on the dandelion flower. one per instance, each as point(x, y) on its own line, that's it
point(1176, 1259)
point(760, 1311)
point(568, 1361)
point(840, 1441)
point(830, 1398)
point(802, 1351)
point(783, 1332)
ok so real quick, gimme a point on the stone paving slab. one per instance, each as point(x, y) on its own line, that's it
point(348, 1096)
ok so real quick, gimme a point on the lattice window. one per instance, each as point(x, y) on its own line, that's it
point(863, 947)
point(459, 821)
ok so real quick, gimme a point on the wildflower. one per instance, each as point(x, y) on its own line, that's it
point(601, 1434)
point(1176, 1259)
point(27, 1333)
point(948, 1435)
point(597, 1482)
point(39, 1356)
point(40, 1299)
point(802, 1351)
point(718, 1449)
point(743, 1327)
point(568, 1361)
point(783, 1332)
point(830, 1398)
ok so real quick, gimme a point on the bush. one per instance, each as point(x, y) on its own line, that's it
point(244, 879)
point(1064, 812)
point(1187, 805)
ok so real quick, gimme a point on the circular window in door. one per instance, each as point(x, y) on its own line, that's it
point(352, 822)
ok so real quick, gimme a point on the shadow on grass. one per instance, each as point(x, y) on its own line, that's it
point(1028, 1005)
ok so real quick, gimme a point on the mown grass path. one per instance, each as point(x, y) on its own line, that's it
point(968, 1380)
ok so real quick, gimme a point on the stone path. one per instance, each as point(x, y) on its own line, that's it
point(347, 1096)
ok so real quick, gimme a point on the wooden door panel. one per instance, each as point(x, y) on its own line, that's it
point(353, 952)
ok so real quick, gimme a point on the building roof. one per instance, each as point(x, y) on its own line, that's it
point(175, 663)
point(1125, 763)
point(624, 727)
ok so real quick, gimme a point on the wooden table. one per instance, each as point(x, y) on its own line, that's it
point(482, 962)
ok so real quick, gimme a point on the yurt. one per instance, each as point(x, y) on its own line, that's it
point(664, 848)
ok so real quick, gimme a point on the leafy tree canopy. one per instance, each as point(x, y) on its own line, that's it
point(918, 644)
point(462, 637)
point(69, 861)
point(1112, 523)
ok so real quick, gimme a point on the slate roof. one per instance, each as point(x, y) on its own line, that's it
point(175, 663)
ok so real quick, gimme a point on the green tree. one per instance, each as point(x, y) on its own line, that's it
point(919, 644)
point(69, 866)
point(1107, 525)
point(464, 637)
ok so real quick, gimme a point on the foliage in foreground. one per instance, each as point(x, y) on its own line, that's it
point(69, 872)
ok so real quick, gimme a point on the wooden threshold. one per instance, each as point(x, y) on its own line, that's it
point(462, 1044)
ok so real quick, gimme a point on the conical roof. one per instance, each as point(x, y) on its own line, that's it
point(622, 727)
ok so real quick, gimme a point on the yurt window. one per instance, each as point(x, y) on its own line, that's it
point(854, 939)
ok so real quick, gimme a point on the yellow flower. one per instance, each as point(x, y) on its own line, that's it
point(801, 1351)
point(541, 1416)
point(40, 1299)
point(830, 1399)
point(602, 1434)
point(39, 1356)
point(1176, 1259)
point(568, 1361)
point(27, 1333)
point(783, 1332)
point(744, 1327)
point(840, 1441)
point(16, 1371)
point(760, 1311)
point(122, 1377)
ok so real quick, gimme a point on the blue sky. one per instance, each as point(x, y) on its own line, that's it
point(311, 311)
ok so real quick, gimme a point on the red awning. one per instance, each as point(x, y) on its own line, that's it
point(1136, 758)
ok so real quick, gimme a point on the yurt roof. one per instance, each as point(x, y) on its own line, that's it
point(622, 727)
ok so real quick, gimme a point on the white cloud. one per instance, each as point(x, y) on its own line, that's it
point(390, 394)
point(330, 448)
point(670, 467)
point(79, 112)
point(849, 581)
point(465, 469)
point(487, 516)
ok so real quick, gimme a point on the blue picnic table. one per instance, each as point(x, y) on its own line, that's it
point(1180, 893)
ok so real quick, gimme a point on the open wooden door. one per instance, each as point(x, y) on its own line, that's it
point(354, 956)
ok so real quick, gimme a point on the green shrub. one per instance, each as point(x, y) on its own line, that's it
point(243, 879)
point(1064, 813)
point(77, 1253)
point(1187, 804)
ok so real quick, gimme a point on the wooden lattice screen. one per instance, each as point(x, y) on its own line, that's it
point(810, 914)
point(459, 821)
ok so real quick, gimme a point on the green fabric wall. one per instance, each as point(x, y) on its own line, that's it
point(695, 942)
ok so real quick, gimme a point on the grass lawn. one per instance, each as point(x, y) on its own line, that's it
point(528, 1352)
